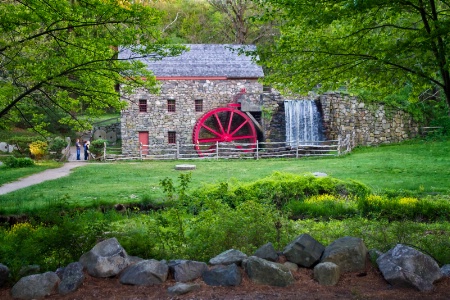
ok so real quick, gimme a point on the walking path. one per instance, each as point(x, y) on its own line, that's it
point(49, 174)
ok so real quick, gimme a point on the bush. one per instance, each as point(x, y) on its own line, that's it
point(56, 147)
point(38, 149)
point(22, 143)
point(22, 162)
point(97, 147)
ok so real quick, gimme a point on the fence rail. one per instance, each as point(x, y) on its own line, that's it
point(258, 150)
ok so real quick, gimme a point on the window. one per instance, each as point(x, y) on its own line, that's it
point(199, 105)
point(142, 105)
point(172, 137)
point(171, 105)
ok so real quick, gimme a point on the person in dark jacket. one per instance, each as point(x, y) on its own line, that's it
point(86, 150)
point(78, 146)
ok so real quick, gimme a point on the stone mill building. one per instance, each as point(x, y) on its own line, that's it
point(212, 94)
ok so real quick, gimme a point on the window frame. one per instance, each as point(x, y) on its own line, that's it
point(171, 105)
point(143, 105)
point(171, 137)
point(198, 105)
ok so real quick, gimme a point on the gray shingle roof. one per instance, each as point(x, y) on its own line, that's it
point(203, 60)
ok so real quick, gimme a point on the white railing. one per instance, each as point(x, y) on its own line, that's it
point(258, 150)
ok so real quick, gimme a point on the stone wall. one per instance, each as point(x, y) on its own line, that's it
point(367, 124)
point(157, 121)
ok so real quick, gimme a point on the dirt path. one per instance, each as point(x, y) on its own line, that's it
point(49, 174)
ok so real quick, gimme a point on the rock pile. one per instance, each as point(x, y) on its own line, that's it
point(400, 266)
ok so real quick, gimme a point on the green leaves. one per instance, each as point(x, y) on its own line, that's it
point(376, 45)
point(60, 57)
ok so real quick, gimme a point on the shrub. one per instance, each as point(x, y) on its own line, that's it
point(56, 147)
point(323, 206)
point(21, 162)
point(38, 149)
point(97, 147)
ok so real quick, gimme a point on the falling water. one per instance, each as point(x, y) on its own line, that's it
point(303, 122)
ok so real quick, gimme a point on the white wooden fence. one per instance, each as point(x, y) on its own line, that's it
point(257, 150)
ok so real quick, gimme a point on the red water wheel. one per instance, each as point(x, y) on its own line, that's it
point(224, 125)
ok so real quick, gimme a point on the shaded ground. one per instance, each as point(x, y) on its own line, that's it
point(368, 285)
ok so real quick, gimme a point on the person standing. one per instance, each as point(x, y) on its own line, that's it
point(86, 150)
point(78, 146)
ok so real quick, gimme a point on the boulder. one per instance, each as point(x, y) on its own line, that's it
point(327, 273)
point(4, 273)
point(35, 286)
point(446, 270)
point(187, 270)
point(72, 278)
point(228, 257)
point(106, 259)
point(229, 275)
point(304, 251)
point(146, 272)
point(265, 272)
point(407, 267)
point(349, 253)
point(266, 252)
point(181, 288)
point(291, 266)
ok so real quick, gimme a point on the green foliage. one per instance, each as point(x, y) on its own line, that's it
point(57, 145)
point(38, 149)
point(97, 147)
point(60, 59)
point(387, 48)
point(21, 162)
point(22, 143)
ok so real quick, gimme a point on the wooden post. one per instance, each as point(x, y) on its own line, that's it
point(104, 151)
point(257, 149)
point(140, 151)
point(178, 151)
point(339, 145)
point(217, 150)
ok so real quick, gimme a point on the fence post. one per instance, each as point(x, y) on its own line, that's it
point(257, 149)
point(178, 151)
point(217, 150)
point(339, 145)
point(140, 151)
point(104, 151)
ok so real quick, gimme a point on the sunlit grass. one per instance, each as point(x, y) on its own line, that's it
point(418, 166)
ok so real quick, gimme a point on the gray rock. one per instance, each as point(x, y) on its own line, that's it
point(72, 278)
point(146, 273)
point(349, 253)
point(106, 259)
point(4, 273)
point(320, 174)
point(35, 286)
point(181, 288)
point(228, 257)
point(291, 266)
point(29, 270)
point(406, 267)
point(446, 270)
point(267, 252)
point(304, 251)
point(187, 270)
point(262, 271)
point(327, 273)
point(223, 276)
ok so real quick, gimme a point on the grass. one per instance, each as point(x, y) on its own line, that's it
point(10, 175)
point(416, 166)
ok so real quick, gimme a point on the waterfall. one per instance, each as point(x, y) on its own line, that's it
point(303, 122)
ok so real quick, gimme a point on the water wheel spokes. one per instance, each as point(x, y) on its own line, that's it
point(224, 125)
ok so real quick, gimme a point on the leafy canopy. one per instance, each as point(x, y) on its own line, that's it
point(383, 46)
point(59, 58)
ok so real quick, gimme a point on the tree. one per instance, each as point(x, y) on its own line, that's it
point(59, 58)
point(242, 22)
point(387, 47)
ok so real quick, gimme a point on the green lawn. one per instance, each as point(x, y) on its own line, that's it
point(416, 166)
